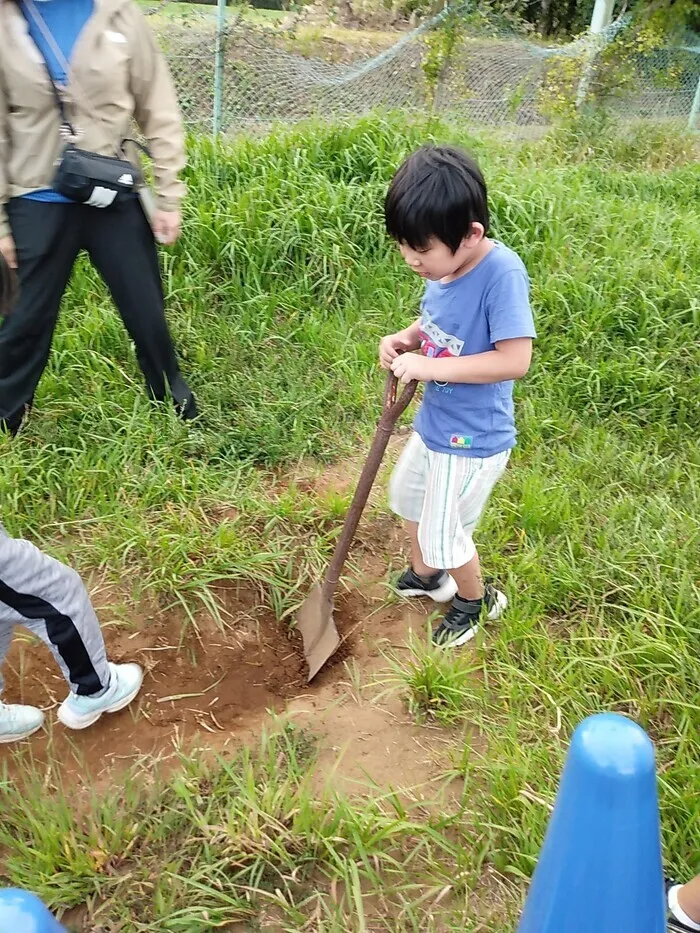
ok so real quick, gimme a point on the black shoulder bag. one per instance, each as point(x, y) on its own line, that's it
point(83, 176)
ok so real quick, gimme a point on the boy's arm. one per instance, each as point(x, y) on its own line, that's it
point(391, 346)
point(511, 331)
point(411, 335)
point(510, 360)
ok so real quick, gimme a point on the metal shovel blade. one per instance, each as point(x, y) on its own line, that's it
point(315, 618)
point(317, 626)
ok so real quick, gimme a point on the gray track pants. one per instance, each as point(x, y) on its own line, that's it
point(50, 600)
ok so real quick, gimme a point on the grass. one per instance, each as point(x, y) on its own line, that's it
point(232, 839)
point(278, 294)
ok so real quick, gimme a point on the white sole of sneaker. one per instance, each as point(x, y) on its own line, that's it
point(71, 721)
point(6, 739)
point(443, 594)
point(461, 639)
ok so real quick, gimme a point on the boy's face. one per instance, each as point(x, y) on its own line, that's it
point(436, 260)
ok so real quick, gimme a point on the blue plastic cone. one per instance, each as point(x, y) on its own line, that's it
point(23, 912)
point(600, 870)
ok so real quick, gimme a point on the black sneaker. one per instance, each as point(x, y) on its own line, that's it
point(675, 925)
point(440, 587)
point(461, 623)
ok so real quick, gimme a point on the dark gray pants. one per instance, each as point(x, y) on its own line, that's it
point(120, 244)
point(49, 599)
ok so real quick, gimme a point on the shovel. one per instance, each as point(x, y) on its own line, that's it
point(315, 617)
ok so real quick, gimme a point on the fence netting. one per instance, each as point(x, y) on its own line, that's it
point(458, 62)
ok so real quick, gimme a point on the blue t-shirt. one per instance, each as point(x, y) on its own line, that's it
point(470, 315)
point(65, 20)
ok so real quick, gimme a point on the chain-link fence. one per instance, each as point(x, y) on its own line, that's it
point(245, 75)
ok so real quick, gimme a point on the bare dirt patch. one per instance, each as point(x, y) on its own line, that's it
point(212, 687)
point(199, 681)
point(209, 685)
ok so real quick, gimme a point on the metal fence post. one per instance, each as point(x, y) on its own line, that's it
point(695, 110)
point(219, 65)
point(601, 19)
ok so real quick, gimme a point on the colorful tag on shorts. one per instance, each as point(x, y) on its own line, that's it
point(460, 442)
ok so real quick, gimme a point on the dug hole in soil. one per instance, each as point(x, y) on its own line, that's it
point(199, 681)
point(211, 686)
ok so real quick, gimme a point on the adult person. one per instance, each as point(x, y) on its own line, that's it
point(50, 599)
point(684, 905)
point(98, 62)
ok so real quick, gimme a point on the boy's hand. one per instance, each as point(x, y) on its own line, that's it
point(412, 366)
point(393, 345)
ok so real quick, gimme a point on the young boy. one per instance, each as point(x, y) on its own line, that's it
point(475, 337)
point(50, 600)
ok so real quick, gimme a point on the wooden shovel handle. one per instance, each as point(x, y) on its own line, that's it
point(393, 409)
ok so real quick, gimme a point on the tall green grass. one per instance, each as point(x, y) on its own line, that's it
point(278, 293)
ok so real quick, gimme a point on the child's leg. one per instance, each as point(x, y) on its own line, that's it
point(16, 722)
point(5, 639)
point(406, 498)
point(467, 577)
point(7, 617)
point(457, 491)
point(407, 483)
point(50, 599)
point(473, 501)
point(417, 562)
point(407, 495)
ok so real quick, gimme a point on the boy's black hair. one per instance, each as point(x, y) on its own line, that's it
point(8, 287)
point(438, 191)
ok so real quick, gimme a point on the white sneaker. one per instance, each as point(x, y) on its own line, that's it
point(79, 712)
point(441, 587)
point(18, 722)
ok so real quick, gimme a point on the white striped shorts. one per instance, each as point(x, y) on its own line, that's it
point(446, 494)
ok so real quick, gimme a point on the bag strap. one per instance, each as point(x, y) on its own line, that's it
point(134, 142)
point(63, 62)
point(30, 8)
point(58, 98)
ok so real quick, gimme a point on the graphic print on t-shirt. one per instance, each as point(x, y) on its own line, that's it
point(435, 341)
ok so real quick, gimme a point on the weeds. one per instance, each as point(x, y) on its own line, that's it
point(220, 842)
point(277, 294)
